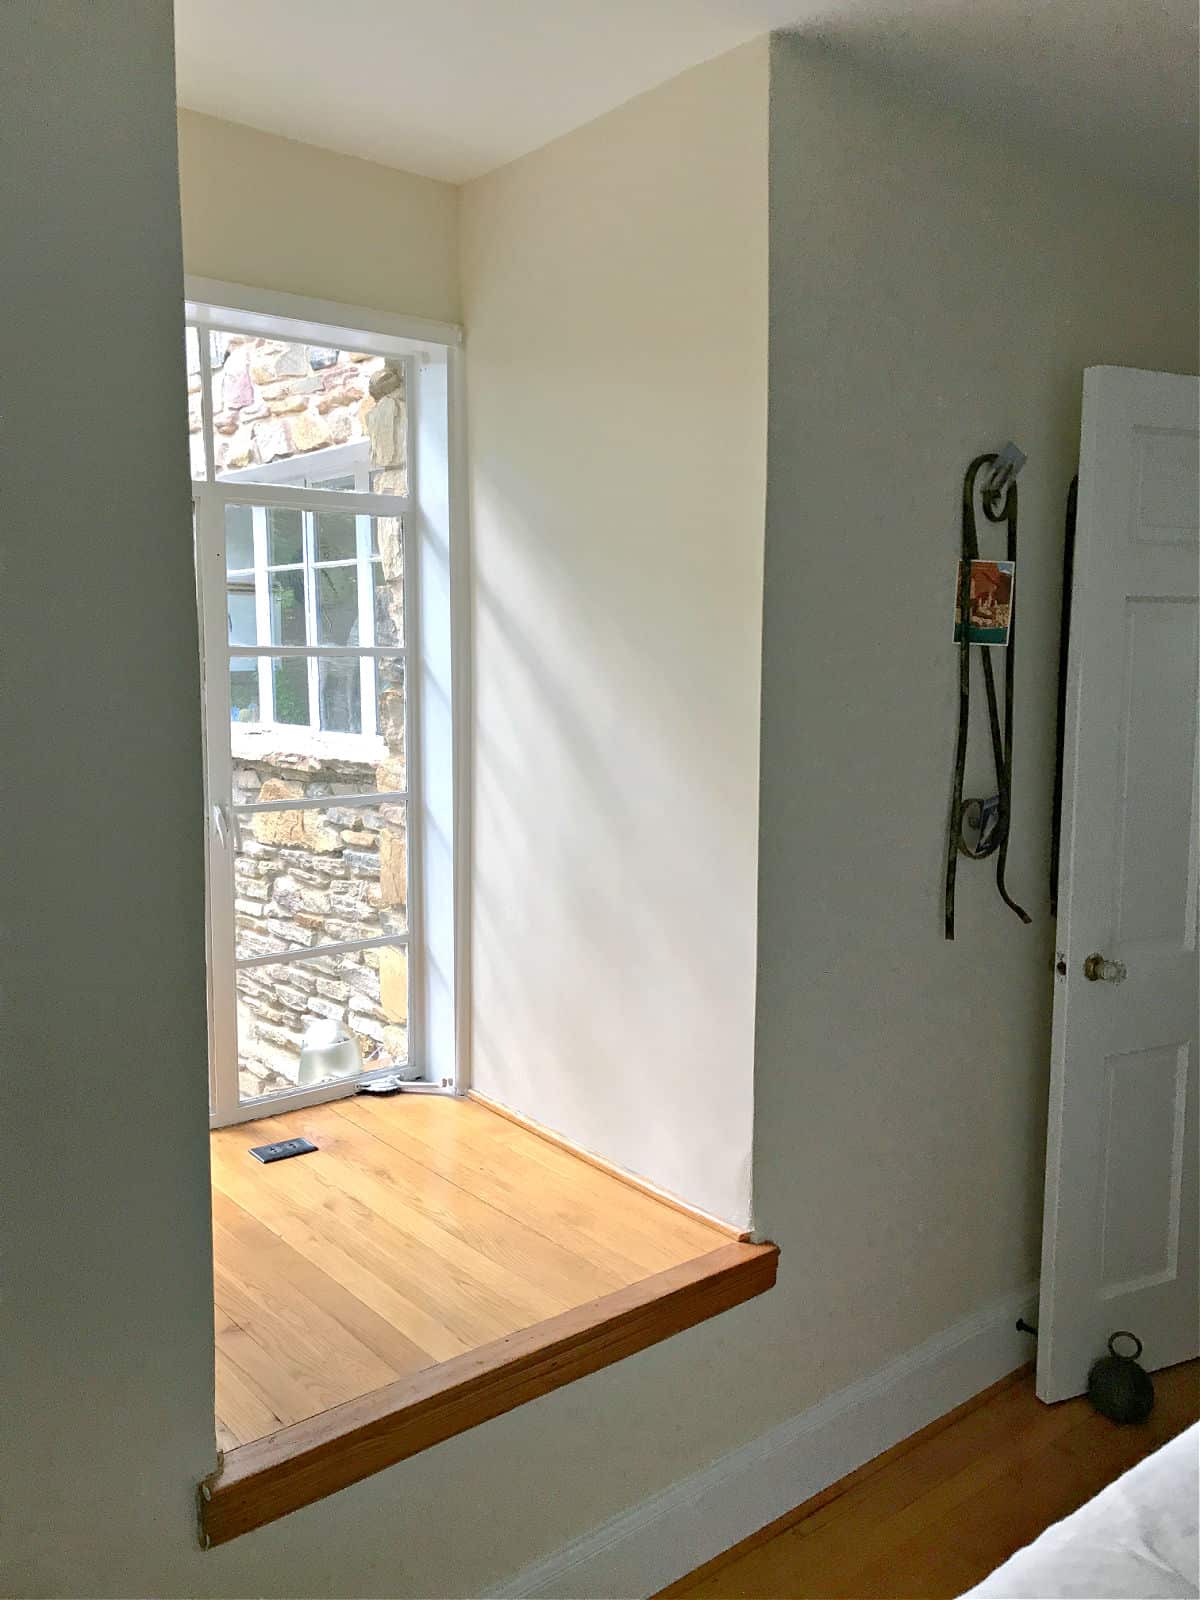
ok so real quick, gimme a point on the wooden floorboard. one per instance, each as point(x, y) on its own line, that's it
point(937, 1514)
point(545, 1189)
point(264, 1480)
point(422, 1229)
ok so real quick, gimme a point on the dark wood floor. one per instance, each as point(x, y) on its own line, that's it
point(937, 1514)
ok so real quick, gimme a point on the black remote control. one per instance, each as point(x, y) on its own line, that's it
point(282, 1150)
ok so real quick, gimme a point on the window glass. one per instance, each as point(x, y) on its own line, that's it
point(387, 579)
point(191, 352)
point(287, 608)
point(288, 439)
point(388, 601)
point(318, 874)
point(243, 625)
point(337, 605)
point(243, 689)
point(389, 705)
point(335, 536)
point(289, 412)
point(321, 763)
point(312, 698)
point(243, 670)
point(239, 539)
point(289, 680)
point(340, 688)
point(285, 536)
point(321, 1017)
point(350, 600)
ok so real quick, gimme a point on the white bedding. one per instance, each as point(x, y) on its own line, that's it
point(1136, 1539)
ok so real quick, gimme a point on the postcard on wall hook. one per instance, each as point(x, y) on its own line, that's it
point(991, 602)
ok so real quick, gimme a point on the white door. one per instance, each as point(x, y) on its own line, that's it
point(1120, 1241)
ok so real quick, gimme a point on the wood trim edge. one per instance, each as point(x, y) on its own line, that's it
point(262, 1481)
point(642, 1185)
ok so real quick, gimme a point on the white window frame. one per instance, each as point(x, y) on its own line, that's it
point(309, 566)
point(435, 649)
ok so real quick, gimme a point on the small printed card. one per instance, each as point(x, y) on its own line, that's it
point(991, 602)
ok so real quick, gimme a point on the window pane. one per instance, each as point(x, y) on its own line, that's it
point(239, 601)
point(340, 681)
point(388, 600)
point(243, 689)
point(287, 608)
point(317, 875)
point(340, 685)
point(372, 754)
point(288, 412)
point(337, 606)
point(191, 351)
point(289, 679)
point(324, 765)
point(389, 702)
point(335, 536)
point(285, 537)
point(321, 1020)
point(387, 540)
point(239, 538)
point(337, 602)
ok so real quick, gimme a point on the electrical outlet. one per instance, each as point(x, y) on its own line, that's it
point(267, 1153)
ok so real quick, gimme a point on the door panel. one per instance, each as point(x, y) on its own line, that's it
point(1157, 755)
point(1120, 1243)
point(1141, 1187)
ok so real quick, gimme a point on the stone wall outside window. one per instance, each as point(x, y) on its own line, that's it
point(313, 877)
point(274, 400)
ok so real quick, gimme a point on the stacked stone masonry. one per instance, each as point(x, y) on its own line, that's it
point(314, 877)
point(274, 400)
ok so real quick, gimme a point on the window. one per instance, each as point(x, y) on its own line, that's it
point(298, 577)
point(320, 463)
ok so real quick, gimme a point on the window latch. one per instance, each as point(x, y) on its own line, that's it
point(225, 827)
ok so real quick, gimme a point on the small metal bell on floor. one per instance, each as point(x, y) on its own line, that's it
point(1118, 1387)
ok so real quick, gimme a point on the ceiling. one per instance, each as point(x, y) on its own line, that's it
point(449, 88)
point(452, 88)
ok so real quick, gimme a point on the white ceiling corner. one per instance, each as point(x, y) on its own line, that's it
point(453, 88)
point(447, 88)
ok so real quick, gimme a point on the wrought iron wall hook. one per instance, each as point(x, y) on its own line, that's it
point(999, 501)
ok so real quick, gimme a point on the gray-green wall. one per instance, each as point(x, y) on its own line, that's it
point(934, 292)
point(106, 1321)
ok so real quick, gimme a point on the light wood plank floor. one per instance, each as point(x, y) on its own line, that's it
point(937, 1514)
point(423, 1227)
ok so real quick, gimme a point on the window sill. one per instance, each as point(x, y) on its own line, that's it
point(260, 1482)
point(256, 741)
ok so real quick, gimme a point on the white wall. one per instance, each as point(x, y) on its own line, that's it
point(614, 288)
point(277, 214)
point(899, 1170)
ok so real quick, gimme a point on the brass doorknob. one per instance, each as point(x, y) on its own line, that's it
point(1098, 969)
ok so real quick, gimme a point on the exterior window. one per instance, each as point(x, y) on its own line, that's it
point(325, 805)
point(304, 578)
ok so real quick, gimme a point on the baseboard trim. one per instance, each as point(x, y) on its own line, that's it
point(695, 1520)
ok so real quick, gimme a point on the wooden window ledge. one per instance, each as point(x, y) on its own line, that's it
point(259, 1482)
